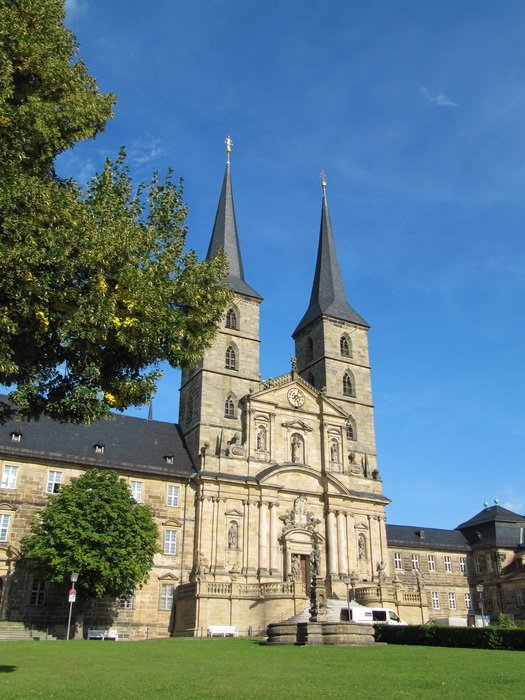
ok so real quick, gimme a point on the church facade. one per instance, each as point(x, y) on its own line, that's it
point(260, 481)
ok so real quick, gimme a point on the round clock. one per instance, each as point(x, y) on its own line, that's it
point(296, 397)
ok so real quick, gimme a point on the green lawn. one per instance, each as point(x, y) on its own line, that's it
point(237, 668)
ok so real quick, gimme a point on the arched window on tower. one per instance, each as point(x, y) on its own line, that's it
point(230, 360)
point(345, 346)
point(348, 385)
point(232, 319)
point(351, 431)
point(309, 349)
point(229, 408)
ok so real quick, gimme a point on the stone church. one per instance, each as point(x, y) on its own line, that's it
point(258, 479)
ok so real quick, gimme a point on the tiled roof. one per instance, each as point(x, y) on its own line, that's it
point(425, 537)
point(128, 443)
point(492, 514)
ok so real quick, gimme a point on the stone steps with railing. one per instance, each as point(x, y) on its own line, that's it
point(17, 631)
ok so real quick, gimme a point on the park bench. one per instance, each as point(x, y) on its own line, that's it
point(109, 634)
point(222, 631)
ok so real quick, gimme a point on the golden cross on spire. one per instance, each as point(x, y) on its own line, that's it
point(323, 181)
point(229, 144)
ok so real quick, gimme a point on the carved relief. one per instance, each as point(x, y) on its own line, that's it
point(299, 517)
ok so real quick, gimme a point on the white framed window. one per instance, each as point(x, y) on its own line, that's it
point(166, 596)
point(477, 565)
point(135, 488)
point(170, 542)
point(398, 561)
point(4, 527)
point(452, 604)
point(431, 562)
point(468, 601)
point(448, 564)
point(435, 600)
point(126, 602)
point(54, 480)
point(37, 592)
point(9, 476)
point(414, 558)
point(172, 497)
point(463, 564)
point(520, 598)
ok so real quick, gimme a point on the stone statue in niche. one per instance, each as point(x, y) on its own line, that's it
point(297, 450)
point(334, 451)
point(233, 536)
point(361, 547)
point(261, 438)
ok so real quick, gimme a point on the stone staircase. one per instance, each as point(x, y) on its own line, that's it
point(17, 631)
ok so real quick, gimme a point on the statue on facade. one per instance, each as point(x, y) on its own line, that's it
point(381, 575)
point(297, 450)
point(334, 452)
point(315, 561)
point(201, 567)
point(233, 536)
point(361, 547)
point(261, 439)
point(295, 573)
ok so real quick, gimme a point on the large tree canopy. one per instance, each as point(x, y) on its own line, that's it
point(96, 289)
point(94, 526)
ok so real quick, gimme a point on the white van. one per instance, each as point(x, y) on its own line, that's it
point(369, 616)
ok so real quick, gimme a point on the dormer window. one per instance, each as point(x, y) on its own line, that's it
point(16, 436)
point(168, 459)
point(99, 448)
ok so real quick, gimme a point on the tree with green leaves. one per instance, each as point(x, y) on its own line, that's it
point(96, 289)
point(94, 527)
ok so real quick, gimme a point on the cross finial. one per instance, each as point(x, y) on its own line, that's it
point(229, 144)
point(323, 181)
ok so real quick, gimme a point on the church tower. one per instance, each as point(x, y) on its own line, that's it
point(331, 346)
point(211, 394)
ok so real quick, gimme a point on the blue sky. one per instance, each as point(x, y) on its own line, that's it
point(416, 112)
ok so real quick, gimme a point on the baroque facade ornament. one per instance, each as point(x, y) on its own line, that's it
point(299, 517)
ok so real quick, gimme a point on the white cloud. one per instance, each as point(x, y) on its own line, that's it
point(145, 151)
point(75, 8)
point(440, 100)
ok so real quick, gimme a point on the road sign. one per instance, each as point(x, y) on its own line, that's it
point(72, 595)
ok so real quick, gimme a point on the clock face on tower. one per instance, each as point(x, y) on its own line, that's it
point(296, 397)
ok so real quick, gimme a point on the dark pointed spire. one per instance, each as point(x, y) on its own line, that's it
point(328, 295)
point(224, 236)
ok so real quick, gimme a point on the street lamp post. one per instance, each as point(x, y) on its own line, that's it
point(479, 589)
point(72, 597)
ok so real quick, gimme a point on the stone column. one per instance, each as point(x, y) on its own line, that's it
point(341, 544)
point(274, 554)
point(371, 548)
point(332, 543)
point(263, 538)
point(351, 542)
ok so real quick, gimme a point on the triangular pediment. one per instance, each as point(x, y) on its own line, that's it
point(168, 577)
point(297, 425)
point(233, 513)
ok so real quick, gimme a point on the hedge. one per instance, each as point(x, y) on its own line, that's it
point(435, 635)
